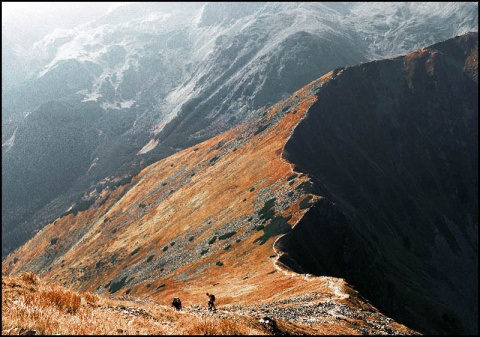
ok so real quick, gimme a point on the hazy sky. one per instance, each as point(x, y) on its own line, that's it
point(24, 23)
point(10, 9)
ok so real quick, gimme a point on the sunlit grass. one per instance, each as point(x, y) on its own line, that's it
point(30, 304)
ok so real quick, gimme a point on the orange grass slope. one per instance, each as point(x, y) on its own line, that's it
point(192, 193)
point(205, 220)
point(30, 306)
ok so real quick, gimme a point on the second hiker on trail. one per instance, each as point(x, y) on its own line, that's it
point(211, 302)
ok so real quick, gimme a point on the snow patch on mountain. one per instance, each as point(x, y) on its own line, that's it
point(148, 147)
point(10, 141)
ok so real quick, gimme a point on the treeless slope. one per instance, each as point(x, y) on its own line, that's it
point(393, 145)
point(205, 220)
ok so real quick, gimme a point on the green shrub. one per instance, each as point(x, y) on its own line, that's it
point(261, 128)
point(214, 159)
point(135, 251)
point(150, 258)
point(267, 212)
point(277, 226)
point(212, 240)
point(120, 182)
point(227, 235)
point(116, 286)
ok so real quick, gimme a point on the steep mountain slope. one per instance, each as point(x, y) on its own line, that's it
point(205, 219)
point(160, 77)
point(394, 144)
point(387, 201)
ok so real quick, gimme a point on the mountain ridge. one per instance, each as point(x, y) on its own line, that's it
point(161, 82)
point(182, 228)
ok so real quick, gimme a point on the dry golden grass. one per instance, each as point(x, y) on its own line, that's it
point(30, 304)
point(216, 326)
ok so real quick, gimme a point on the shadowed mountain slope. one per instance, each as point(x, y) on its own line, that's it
point(379, 189)
point(394, 145)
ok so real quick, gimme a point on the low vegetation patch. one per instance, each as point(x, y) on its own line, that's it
point(293, 176)
point(261, 128)
point(260, 227)
point(214, 159)
point(267, 211)
point(227, 235)
point(277, 226)
point(116, 286)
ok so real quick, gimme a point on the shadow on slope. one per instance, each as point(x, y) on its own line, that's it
point(393, 145)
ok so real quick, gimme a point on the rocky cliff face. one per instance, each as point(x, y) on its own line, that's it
point(393, 146)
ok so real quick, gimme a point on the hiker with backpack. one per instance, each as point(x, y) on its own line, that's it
point(177, 304)
point(211, 302)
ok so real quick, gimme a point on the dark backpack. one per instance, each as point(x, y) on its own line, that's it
point(212, 297)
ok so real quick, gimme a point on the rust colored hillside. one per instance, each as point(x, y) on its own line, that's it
point(31, 306)
point(206, 220)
